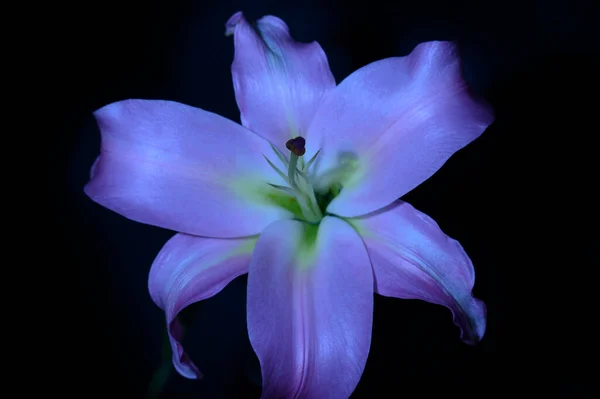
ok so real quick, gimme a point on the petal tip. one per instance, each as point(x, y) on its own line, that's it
point(272, 21)
point(90, 189)
point(87, 189)
point(187, 369)
point(489, 113)
point(109, 113)
point(232, 22)
point(93, 168)
point(477, 323)
point(104, 111)
point(440, 50)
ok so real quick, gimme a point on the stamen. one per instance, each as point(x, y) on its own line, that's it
point(279, 154)
point(285, 189)
point(279, 172)
point(311, 160)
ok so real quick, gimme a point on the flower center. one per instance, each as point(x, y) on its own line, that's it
point(311, 194)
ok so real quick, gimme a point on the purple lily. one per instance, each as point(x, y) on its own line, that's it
point(303, 197)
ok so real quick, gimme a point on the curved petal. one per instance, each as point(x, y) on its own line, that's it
point(189, 269)
point(310, 307)
point(398, 120)
point(413, 259)
point(185, 169)
point(278, 82)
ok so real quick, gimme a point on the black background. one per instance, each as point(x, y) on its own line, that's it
point(521, 199)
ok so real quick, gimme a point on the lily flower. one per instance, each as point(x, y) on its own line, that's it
point(303, 196)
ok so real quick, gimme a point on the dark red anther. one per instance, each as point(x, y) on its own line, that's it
point(296, 145)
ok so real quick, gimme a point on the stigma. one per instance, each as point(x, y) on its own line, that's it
point(296, 145)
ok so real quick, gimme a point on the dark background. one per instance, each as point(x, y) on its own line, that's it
point(521, 199)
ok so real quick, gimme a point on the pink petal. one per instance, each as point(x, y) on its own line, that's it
point(413, 259)
point(401, 119)
point(182, 168)
point(189, 269)
point(278, 82)
point(310, 313)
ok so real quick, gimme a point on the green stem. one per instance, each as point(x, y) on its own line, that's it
point(159, 379)
point(163, 372)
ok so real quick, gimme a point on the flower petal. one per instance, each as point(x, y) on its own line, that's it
point(398, 120)
point(189, 269)
point(185, 169)
point(278, 82)
point(413, 259)
point(310, 305)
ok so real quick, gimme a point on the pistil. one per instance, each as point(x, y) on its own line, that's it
point(300, 186)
